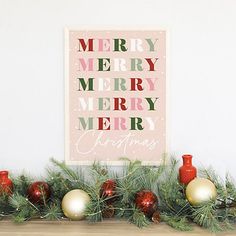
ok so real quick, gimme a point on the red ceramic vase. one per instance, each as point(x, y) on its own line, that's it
point(6, 185)
point(187, 171)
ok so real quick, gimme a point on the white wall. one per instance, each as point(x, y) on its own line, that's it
point(202, 73)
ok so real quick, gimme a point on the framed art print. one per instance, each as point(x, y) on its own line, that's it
point(115, 95)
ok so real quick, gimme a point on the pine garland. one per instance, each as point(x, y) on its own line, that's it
point(162, 180)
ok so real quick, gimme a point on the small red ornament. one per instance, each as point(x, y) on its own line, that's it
point(39, 192)
point(108, 190)
point(156, 218)
point(108, 212)
point(187, 172)
point(6, 185)
point(147, 202)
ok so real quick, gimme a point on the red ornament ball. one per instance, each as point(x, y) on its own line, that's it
point(108, 190)
point(146, 201)
point(38, 192)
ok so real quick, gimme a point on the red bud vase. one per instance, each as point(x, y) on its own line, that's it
point(187, 171)
point(6, 185)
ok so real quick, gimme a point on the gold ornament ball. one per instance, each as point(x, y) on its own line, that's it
point(200, 190)
point(74, 204)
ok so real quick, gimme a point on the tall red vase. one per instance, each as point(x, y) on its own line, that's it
point(6, 185)
point(187, 171)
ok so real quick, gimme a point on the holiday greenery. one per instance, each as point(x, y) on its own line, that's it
point(117, 194)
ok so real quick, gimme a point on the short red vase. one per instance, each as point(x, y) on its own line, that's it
point(6, 185)
point(187, 171)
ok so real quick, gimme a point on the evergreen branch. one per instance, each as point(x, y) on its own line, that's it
point(206, 216)
point(52, 212)
point(58, 183)
point(174, 208)
point(24, 209)
point(94, 210)
point(171, 192)
point(21, 183)
point(177, 222)
point(138, 218)
point(230, 188)
point(5, 208)
point(72, 175)
point(75, 177)
point(213, 177)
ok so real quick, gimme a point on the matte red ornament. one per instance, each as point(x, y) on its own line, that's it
point(108, 190)
point(6, 185)
point(39, 192)
point(187, 172)
point(147, 202)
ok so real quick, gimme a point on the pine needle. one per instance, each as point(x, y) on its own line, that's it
point(177, 222)
point(139, 219)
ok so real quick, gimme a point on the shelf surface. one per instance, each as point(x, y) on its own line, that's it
point(106, 228)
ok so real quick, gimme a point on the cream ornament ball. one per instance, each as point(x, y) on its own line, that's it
point(74, 204)
point(200, 190)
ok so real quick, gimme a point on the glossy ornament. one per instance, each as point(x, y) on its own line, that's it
point(74, 204)
point(187, 171)
point(156, 217)
point(108, 212)
point(200, 190)
point(108, 190)
point(38, 192)
point(6, 185)
point(147, 202)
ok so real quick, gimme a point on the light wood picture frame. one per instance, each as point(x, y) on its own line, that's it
point(115, 95)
